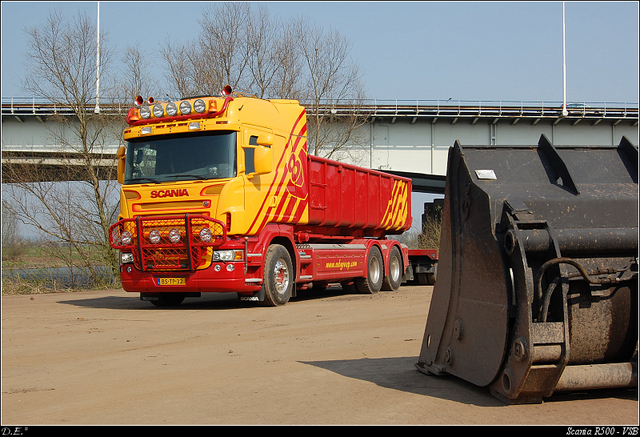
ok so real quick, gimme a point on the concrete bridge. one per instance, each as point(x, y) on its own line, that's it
point(405, 137)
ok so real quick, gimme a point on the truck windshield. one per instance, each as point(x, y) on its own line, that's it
point(170, 158)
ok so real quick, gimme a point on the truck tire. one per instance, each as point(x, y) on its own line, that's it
point(394, 279)
point(375, 271)
point(278, 276)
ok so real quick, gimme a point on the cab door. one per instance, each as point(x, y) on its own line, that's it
point(257, 161)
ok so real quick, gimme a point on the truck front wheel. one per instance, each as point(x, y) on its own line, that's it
point(375, 272)
point(278, 276)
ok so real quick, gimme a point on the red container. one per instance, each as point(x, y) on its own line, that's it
point(346, 196)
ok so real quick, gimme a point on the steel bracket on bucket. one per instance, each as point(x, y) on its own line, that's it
point(537, 289)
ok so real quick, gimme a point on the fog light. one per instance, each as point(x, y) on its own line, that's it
point(158, 110)
point(199, 106)
point(206, 235)
point(185, 107)
point(125, 237)
point(126, 258)
point(172, 109)
point(174, 236)
point(230, 267)
point(216, 267)
point(154, 236)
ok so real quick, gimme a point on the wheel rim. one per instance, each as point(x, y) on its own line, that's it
point(374, 270)
point(281, 275)
point(394, 268)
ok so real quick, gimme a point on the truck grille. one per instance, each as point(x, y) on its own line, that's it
point(168, 243)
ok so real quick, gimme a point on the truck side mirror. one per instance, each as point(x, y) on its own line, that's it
point(262, 160)
point(265, 140)
point(121, 155)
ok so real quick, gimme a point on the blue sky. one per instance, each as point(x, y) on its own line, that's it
point(489, 51)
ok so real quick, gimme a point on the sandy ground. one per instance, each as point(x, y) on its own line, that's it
point(105, 357)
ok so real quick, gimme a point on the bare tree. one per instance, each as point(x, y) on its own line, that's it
point(333, 91)
point(12, 242)
point(62, 69)
point(218, 57)
point(263, 56)
point(247, 49)
point(136, 79)
point(287, 82)
point(224, 37)
point(180, 70)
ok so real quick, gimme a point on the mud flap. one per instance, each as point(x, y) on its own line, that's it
point(258, 296)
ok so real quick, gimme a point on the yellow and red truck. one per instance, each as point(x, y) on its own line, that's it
point(219, 194)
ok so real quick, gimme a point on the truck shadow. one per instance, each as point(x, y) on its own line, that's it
point(131, 301)
point(399, 373)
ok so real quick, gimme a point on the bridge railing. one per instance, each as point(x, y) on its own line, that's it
point(377, 107)
point(470, 108)
point(41, 106)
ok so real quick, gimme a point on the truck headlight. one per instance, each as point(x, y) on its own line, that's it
point(126, 258)
point(227, 255)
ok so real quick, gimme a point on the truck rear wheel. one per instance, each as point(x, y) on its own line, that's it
point(394, 279)
point(375, 271)
point(278, 276)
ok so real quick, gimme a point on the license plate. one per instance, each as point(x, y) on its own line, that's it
point(172, 281)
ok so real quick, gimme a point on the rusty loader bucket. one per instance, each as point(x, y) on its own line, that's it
point(537, 288)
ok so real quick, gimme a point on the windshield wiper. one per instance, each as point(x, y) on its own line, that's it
point(155, 181)
point(184, 175)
